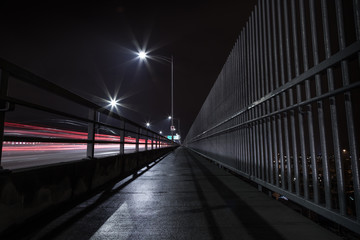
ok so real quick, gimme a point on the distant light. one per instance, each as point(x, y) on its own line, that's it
point(169, 117)
point(148, 124)
point(142, 55)
point(160, 132)
point(344, 150)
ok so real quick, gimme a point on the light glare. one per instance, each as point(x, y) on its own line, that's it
point(142, 55)
point(113, 102)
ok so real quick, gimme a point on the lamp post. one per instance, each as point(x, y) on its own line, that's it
point(143, 55)
point(172, 118)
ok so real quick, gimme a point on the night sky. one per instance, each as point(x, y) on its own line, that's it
point(89, 48)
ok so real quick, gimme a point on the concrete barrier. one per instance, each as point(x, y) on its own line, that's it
point(31, 194)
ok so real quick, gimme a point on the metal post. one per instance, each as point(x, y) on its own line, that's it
point(291, 102)
point(276, 71)
point(91, 133)
point(284, 115)
point(319, 103)
point(122, 139)
point(146, 140)
point(298, 93)
point(267, 128)
point(152, 142)
point(271, 130)
point(334, 124)
point(4, 77)
point(307, 94)
point(172, 97)
point(137, 140)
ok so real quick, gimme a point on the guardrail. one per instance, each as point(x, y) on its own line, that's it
point(284, 110)
point(124, 131)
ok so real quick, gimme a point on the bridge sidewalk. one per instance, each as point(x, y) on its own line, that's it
point(183, 197)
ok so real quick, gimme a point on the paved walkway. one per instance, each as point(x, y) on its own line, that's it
point(183, 197)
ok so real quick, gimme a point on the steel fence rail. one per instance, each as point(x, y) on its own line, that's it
point(10, 71)
point(284, 110)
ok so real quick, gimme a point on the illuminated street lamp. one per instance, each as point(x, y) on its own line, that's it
point(147, 124)
point(143, 55)
point(113, 103)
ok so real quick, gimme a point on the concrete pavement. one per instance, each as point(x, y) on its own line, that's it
point(183, 196)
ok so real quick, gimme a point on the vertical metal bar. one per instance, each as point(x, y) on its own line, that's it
point(282, 73)
point(91, 133)
point(261, 93)
point(4, 78)
point(291, 102)
point(319, 103)
point(334, 123)
point(269, 76)
point(276, 71)
point(248, 96)
point(137, 139)
point(237, 101)
point(257, 95)
point(152, 141)
point(242, 99)
point(349, 111)
point(265, 89)
point(244, 95)
point(356, 7)
point(122, 139)
point(146, 140)
point(298, 93)
point(307, 89)
point(253, 97)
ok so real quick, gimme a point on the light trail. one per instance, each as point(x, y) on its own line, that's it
point(16, 129)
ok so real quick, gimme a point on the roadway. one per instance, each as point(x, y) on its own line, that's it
point(17, 155)
point(44, 154)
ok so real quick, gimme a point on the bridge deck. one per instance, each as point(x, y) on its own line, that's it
point(183, 197)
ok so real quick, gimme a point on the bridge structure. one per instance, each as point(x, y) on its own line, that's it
point(282, 116)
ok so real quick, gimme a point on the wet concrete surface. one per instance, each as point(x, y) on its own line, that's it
point(183, 196)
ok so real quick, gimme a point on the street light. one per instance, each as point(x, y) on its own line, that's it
point(172, 118)
point(147, 124)
point(143, 55)
point(113, 102)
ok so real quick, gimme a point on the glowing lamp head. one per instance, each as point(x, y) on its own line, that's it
point(113, 103)
point(142, 55)
point(169, 117)
point(148, 124)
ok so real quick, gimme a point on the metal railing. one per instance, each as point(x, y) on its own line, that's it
point(80, 110)
point(284, 111)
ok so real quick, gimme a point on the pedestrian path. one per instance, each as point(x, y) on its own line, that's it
point(183, 196)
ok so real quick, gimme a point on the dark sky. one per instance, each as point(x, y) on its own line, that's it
point(88, 48)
